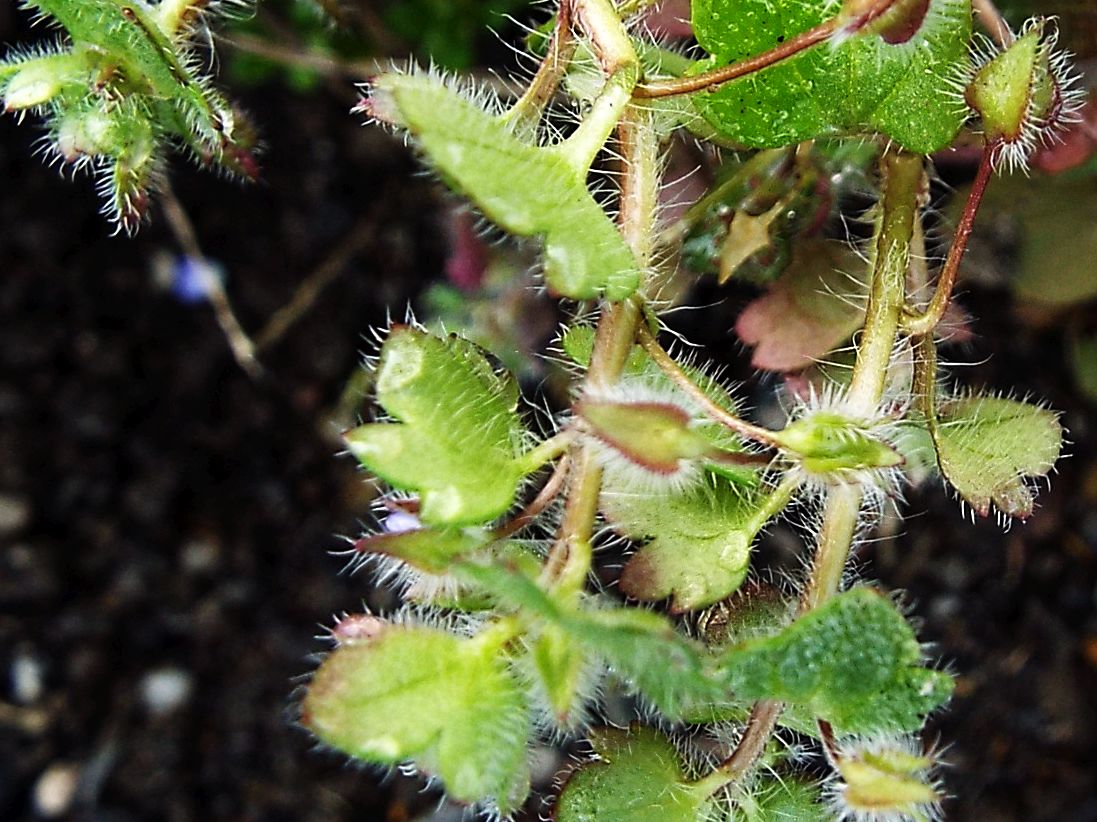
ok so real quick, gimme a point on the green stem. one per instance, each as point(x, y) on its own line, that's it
point(569, 560)
point(902, 182)
point(598, 20)
point(546, 451)
point(927, 321)
point(903, 176)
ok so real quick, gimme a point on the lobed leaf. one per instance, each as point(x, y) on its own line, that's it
point(990, 448)
point(698, 540)
point(450, 704)
point(458, 436)
point(861, 85)
point(637, 777)
point(853, 662)
point(526, 189)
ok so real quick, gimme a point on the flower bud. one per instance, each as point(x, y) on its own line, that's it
point(1024, 95)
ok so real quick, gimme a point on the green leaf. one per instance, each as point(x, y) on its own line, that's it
point(526, 189)
point(698, 539)
point(640, 647)
point(853, 662)
point(781, 799)
point(561, 665)
point(450, 704)
point(990, 449)
point(459, 436)
point(637, 777)
point(432, 550)
point(861, 85)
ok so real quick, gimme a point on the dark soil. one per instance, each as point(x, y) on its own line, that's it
point(166, 520)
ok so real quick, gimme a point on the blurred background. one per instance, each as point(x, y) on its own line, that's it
point(168, 517)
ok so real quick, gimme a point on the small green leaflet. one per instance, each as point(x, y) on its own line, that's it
point(990, 449)
point(853, 662)
point(458, 437)
point(862, 85)
point(637, 777)
point(526, 189)
point(450, 704)
point(699, 538)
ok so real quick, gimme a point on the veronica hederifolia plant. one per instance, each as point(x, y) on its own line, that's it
point(500, 535)
point(655, 449)
point(123, 82)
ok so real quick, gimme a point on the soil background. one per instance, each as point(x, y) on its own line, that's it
point(167, 523)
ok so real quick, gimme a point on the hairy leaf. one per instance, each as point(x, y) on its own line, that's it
point(864, 84)
point(528, 190)
point(637, 777)
point(699, 539)
point(990, 449)
point(782, 799)
point(450, 704)
point(458, 435)
point(854, 662)
point(640, 647)
point(429, 549)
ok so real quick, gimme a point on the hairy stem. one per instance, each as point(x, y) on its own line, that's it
point(902, 183)
point(680, 378)
point(926, 322)
point(525, 115)
point(569, 560)
point(903, 179)
point(760, 726)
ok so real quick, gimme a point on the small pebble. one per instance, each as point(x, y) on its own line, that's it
point(26, 678)
point(164, 690)
point(55, 790)
point(15, 513)
point(199, 556)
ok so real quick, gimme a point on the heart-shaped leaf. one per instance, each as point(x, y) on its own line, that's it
point(637, 777)
point(853, 662)
point(698, 539)
point(861, 85)
point(458, 436)
point(990, 449)
point(450, 704)
point(528, 190)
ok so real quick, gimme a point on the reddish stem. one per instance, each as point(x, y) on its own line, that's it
point(924, 323)
point(686, 85)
